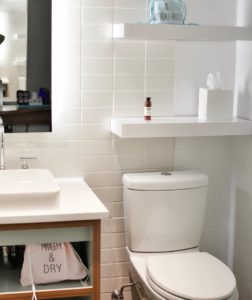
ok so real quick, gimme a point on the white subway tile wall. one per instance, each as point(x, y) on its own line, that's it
point(94, 78)
point(116, 77)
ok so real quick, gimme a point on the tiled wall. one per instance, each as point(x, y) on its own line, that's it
point(116, 77)
point(93, 79)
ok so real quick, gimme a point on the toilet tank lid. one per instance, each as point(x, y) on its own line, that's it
point(165, 181)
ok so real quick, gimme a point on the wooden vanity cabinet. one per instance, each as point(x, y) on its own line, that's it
point(84, 233)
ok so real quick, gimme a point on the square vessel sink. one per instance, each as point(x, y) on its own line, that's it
point(28, 190)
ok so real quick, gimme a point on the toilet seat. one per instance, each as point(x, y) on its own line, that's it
point(194, 276)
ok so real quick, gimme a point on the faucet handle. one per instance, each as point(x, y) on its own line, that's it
point(24, 161)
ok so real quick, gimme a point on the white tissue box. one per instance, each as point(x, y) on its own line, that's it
point(215, 105)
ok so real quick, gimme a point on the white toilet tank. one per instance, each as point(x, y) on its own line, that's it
point(164, 211)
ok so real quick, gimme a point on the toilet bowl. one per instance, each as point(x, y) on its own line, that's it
point(172, 277)
point(164, 214)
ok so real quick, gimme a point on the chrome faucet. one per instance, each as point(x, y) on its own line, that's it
point(2, 158)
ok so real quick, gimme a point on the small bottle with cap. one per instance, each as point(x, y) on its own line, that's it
point(147, 109)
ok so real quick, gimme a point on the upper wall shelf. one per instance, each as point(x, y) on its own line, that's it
point(181, 32)
point(178, 127)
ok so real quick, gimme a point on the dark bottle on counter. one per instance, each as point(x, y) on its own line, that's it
point(147, 109)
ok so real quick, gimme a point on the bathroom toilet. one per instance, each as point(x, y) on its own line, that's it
point(164, 215)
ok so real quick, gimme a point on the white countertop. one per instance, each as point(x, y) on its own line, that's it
point(77, 202)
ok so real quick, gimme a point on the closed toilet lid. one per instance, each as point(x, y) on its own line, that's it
point(197, 276)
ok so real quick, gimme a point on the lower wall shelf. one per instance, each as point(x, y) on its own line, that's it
point(10, 284)
point(178, 127)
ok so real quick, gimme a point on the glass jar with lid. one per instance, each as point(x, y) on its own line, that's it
point(167, 12)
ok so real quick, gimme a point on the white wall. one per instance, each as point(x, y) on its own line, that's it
point(242, 202)
point(194, 60)
point(211, 156)
point(242, 163)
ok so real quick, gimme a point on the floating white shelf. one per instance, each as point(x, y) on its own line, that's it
point(178, 127)
point(181, 32)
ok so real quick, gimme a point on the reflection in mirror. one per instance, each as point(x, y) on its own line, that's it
point(25, 65)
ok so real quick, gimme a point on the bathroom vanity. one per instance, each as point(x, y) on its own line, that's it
point(77, 220)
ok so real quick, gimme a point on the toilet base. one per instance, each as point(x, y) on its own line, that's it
point(137, 269)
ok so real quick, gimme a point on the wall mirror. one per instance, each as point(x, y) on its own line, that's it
point(25, 65)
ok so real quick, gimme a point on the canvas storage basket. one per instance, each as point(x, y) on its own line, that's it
point(50, 263)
